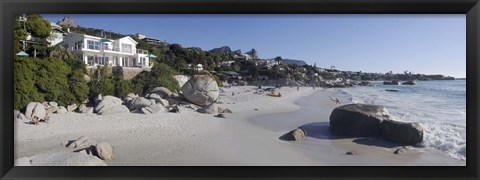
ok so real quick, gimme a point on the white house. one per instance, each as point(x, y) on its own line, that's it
point(198, 67)
point(243, 57)
point(101, 51)
point(56, 35)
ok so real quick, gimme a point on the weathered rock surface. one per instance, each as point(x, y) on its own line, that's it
point(295, 135)
point(108, 103)
point(226, 110)
point(155, 97)
point(154, 108)
point(61, 110)
point(35, 109)
point(19, 116)
point(72, 107)
point(210, 109)
point(162, 91)
point(139, 103)
point(53, 104)
point(401, 132)
point(357, 120)
point(164, 103)
point(104, 151)
point(115, 110)
point(201, 90)
point(81, 108)
point(129, 97)
point(52, 109)
point(97, 99)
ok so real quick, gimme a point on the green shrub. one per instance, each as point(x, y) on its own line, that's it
point(161, 75)
point(103, 87)
point(122, 88)
point(78, 88)
point(24, 80)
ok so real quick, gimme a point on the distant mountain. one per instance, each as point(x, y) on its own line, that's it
point(293, 61)
point(67, 21)
point(222, 50)
point(238, 52)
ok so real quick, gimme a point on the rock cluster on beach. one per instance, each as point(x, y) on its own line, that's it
point(363, 120)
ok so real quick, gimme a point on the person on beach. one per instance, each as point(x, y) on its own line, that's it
point(337, 101)
point(298, 88)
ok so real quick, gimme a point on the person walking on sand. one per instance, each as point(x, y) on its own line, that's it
point(337, 101)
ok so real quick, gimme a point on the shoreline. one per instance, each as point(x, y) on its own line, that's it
point(190, 138)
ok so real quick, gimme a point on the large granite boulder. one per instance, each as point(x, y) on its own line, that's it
point(401, 132)
point(139, 103)
point(35, 109)
point(107, 103)
point(129, 97)
point(358, 120)
point(295, 135)
point(72, 107)
point(154, 108)
point(115, 110)
point(104, 151)
point(201, 90)
point(18, 115)
point(155, 97)
point(61, 110)
point(162, 91)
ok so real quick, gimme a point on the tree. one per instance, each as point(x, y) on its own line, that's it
point(253, 53)
point(38, 26)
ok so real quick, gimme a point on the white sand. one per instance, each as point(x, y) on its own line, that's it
point(246, 137)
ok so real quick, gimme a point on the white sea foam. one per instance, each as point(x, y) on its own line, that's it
point(439, 106)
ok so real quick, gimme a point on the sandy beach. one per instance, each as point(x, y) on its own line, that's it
point(248, 136)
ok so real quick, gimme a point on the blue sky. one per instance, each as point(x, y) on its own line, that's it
point(427, 44)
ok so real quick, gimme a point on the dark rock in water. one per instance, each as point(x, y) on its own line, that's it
point(351, 153)
point(365, 83)
point(391, 90)
point(220, 115)
point(357, 120)
point(394, 82)
point(295, 135)
point(400, 132)
point(402, 150)
point(409, 83)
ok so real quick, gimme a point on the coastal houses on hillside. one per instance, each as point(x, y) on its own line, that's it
point(102, 51)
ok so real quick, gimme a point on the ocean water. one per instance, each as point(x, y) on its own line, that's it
point(439, 106)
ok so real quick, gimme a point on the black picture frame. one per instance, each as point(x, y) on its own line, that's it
point(9, 8)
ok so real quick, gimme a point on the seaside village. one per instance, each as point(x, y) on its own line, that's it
point(201, 81)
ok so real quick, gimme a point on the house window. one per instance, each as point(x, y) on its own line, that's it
point(127, 48)
point(105, 46)
point(93, 45)
point(91, 60)
point(100, 60)
point(78, 45)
